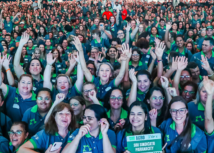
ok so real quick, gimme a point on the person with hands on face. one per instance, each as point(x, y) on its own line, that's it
point(180, 134)
point(60, 124)
point(63, 82)
point(104, 72)
point(209, 124)
point(138, 124)
point(115, 102)
point(95, 135)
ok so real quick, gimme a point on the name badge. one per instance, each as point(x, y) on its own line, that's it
point(107, 89)
point(16, 106)
point(34, 88)
point(87, 152)
point(58, 65)
point(147, 56)
point(54, 80)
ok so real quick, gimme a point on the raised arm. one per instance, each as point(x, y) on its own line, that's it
point(165, 85)
point(133, 93)
point(128, 27)
point(47, 73)
point(206, 66)
point(79, 82)
point(123, 57)
point(17, 67)
point(59, 98)
point(151, 65)
point(134, 32)
point(72, 63)
point(182, 64)
point(173, 67)
point(3, 87)
point(209, 86)
point(159, 53)
point(85, 70)
point(10, 77)
point(166, 38)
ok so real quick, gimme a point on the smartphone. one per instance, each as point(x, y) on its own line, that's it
point(56, 146)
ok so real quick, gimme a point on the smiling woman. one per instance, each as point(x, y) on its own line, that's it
point(58, 129)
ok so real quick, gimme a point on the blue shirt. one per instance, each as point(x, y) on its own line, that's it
point(122, 142)
point(123, 115)
point(197, 59)
point(140, 66)
point(102, 43)
point(8, 26)
point(89, 143)
point(161, 31)
point(16, 105)
point(185, 53)
point(42, 140)
point(34, 120)
point(37, 84)
point(196, 114)
point(210, 142)
point(4, 145)
point(102, 89)
point(198, 139)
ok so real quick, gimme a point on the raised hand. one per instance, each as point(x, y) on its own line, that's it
point(132, 76)
point(205, 64)
point(104, 125)
point(50, 59)
point(24, 38)
point(59, 98)
point(208, 85)
point(77, 58)
point(128, 27)
point(159, 50)
point(71, 60)
point(164, 82)
point(92, 95)
point(182, 63)
point(172, 91)
point(153, 114)
point(168, 26)
point(6, 61)
point(174, 63)
point(154, 56)
point(77, 44)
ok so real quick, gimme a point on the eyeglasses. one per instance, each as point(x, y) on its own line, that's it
point(181, 111)
point(92, 69)
point(116, 98)
point(156, 98)
point(17, 133)
point(88, 118)
point(185, 76)
point(40, 98)
point(75, 104)
point(136, 55)
point(87, 91)
point(189, 92)
point(119, 33)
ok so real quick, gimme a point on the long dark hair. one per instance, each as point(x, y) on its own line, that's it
point(51, 126)
point(164, 107)
point(28, 66)
point(106, 99)
point(185, 135)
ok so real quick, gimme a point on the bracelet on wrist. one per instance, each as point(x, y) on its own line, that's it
point(8, 70)
point(159, 60)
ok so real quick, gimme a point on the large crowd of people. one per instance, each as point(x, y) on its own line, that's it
point(81, 76)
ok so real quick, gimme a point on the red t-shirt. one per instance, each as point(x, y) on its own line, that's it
point(124, 14)
point(108, 14)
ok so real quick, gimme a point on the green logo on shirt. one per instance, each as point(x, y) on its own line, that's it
point(167, 138)
point(199, 117)
point(33, 121)
point(85, 148)
point(16, 99)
